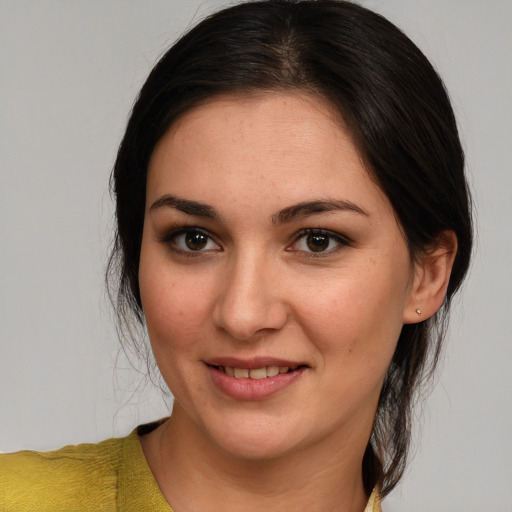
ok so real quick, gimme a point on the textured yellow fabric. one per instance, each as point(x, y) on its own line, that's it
point(107, 477)
point(373, 503)
point(112, 476)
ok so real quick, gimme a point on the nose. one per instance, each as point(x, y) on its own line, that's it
point(249, 303)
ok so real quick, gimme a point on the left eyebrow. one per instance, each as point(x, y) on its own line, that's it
point(316, 207)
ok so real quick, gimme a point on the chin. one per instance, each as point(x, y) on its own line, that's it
point(256, 448)
point(257, 438)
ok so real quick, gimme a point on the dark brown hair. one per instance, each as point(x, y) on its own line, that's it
point(401, 119)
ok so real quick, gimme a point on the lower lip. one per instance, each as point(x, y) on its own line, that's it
point(253, 389)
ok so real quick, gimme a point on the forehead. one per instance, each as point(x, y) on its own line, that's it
point(293, 145)
point(281, 120)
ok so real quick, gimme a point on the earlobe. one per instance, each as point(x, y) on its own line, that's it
point(432, 275)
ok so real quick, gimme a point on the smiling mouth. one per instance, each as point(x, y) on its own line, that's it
point(256, 373)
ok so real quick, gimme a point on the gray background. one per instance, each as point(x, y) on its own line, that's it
point(69, 71)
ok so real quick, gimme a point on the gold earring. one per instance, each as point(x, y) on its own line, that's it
point(418, 311)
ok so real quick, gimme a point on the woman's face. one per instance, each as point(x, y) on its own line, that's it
point(274, 276)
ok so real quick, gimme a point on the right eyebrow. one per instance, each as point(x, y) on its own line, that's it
point(186, 206)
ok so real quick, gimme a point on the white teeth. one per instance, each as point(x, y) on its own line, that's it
point(255, 373)
point(258, 373)
point(241, 373)
point(272, 371)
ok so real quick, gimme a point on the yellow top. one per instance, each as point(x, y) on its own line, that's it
point(106, 477)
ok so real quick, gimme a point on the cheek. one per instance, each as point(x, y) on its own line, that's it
point(176, 304)
point(356, 317)
point(173, 313)
point(177, 319)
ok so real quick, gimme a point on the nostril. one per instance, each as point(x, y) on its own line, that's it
point(252, 320)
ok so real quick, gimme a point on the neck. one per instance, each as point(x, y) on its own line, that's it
point(193, 474)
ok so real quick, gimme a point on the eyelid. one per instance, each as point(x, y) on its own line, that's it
point(171, 234)
point(342, 241)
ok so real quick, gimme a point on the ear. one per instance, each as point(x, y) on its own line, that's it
point(431, 278)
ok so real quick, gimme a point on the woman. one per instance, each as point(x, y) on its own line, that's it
point(293, 221)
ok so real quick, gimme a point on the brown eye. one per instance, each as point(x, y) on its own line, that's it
point(190, 240)
point(317, 242)
point(195, 240)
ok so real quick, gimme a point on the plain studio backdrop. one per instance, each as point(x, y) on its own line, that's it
point(70, 70)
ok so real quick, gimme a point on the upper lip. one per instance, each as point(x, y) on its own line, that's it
point(252, 363)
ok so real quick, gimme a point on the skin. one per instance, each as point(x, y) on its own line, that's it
point(257, 289)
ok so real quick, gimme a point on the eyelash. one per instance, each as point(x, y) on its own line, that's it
point(171, 236)
point(341, 241)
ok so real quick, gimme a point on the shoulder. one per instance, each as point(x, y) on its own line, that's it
point(81, 477)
